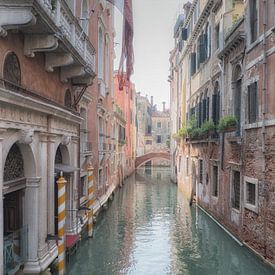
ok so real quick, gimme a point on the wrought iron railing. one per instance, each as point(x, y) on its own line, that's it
point(15, 250)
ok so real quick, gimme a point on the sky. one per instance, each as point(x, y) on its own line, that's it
point(153, 40)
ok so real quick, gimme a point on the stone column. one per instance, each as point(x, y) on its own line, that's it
point(31, 209)
point(51, 182)
point(43, 202)
point(1, 205)
point(75, 180)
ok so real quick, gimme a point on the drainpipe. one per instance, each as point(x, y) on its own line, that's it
point(264, 113)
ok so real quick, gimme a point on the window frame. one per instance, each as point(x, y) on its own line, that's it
point(253, 39)
point(232, 193)
point(247, 205)
point(212, 181)
point(250, 119)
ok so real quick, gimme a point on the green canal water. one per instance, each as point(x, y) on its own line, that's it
point(149, 229)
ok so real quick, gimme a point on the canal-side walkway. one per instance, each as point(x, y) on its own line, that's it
point(149, 229)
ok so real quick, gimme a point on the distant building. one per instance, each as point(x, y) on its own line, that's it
point(153, 129)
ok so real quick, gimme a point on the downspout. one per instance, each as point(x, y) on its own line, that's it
point(264, 113)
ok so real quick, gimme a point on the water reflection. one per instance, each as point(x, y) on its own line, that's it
point(150, 229)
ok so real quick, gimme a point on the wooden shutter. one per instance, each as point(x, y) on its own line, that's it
point(200, 114)
point(204, 106)
point(193, 63)
point(252, 103)
point(214, 102)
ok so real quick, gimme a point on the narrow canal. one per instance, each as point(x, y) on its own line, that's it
point(150, 229)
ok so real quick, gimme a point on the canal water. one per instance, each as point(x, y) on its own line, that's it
point(149, 229)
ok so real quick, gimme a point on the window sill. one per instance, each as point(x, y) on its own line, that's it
point(251, 207)
point(236, 210)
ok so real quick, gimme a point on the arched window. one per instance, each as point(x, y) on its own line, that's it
point(68, 99)
point(12, 72)
point(14, 165)
point(100, 53)
point(216, 103)
point(58, 156)
point(237, 94)
point(85, 16)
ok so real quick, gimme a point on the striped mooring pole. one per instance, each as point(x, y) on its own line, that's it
point(61, 224)
point(90, 170)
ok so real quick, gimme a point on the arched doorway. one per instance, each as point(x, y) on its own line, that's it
point(15, 228)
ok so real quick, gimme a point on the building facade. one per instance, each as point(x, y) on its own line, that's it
point(126, 100)
point(46, 60)
point(228, 50)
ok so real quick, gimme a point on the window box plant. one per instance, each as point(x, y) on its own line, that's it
point(227, 124)
point(208, 128)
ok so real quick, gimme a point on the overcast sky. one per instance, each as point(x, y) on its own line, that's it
point(153, 39)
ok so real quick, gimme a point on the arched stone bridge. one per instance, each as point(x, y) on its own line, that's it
point(153, 155)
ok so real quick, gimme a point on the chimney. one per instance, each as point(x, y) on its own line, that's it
point(152, 101)
point(163, 104)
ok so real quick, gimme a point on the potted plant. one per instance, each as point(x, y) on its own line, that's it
point(208, 128)
point(228, 124)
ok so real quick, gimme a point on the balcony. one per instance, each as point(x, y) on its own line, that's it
point(50, 27)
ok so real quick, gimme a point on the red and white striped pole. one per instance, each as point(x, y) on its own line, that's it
point(61, 224)
point(90, 199)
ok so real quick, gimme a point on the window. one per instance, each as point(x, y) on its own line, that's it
point(68, 99)
point(193, 63)
point(253, 18)
point(100, 53)
point(235, 189)
point(205, 108)
point(12, 71)
point(149, 142)
point(217, 36)
point(83, 186)
point(158, 139)
point(252, 102)
point(107, 61)
point(237, 94)
point(149, 129)
point(201, 171)
point(215, 181)
point(159, 124)
point(216, 104)
point(251, 194)
point(85, 16)
point(71, 5)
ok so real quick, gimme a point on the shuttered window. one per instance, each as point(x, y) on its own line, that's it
point(235, 189)
point(193, 63)
point(252, 102)
point(216, 108)
point(253, 19)
point(200, 118)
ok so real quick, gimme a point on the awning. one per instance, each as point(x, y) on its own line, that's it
point(66, 168)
